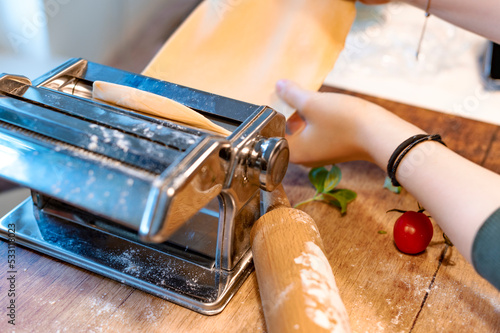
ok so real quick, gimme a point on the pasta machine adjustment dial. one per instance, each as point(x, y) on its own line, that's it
point(268, 162)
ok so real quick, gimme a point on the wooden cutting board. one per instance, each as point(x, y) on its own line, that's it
point(383, 289)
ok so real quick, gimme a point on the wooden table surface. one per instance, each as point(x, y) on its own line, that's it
point(383, 289)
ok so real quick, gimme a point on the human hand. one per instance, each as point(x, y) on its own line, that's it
point(324, 130)
point(329, 128)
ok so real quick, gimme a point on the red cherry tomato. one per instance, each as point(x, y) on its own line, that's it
point(413, 232)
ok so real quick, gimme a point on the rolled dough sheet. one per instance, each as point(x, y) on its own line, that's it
point(153, 104)
point(240, 48)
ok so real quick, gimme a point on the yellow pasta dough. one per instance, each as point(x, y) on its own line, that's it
point(153, 104)
point(240, 48)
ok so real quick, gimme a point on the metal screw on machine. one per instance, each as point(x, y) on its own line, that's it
point(268, 162)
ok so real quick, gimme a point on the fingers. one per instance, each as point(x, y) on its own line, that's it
point(292, 94)
point(294, 124)
point(295, 141)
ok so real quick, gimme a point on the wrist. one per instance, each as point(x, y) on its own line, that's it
point(381, 132)
point(405, 148)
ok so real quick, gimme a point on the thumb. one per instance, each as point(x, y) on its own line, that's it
point(292, 94)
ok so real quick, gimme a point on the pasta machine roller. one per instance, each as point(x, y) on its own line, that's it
point(158, 205)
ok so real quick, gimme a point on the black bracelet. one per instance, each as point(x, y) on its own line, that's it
point(403, 149)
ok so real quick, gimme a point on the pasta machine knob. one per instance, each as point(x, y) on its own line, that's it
point(268, 162)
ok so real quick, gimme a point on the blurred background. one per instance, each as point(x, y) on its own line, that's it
point(37, 35)
point(379, 59)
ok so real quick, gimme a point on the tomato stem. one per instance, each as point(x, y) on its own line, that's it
point(396, 210)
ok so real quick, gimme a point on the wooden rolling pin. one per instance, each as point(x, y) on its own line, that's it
point(296, 283)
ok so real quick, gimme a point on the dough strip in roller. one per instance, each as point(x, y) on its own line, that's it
point(153, 104)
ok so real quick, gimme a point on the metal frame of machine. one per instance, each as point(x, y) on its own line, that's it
point(154, 204)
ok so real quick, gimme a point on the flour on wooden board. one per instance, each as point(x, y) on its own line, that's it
point(324, 306)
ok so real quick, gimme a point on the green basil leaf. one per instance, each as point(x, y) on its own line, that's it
point(332, 179)
point(337, 199)
point(348, 195)
point(317, 177)
point(343, 205)
point(335, 203)
point(388, 185)
point(331, 200)
point(325, 182)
